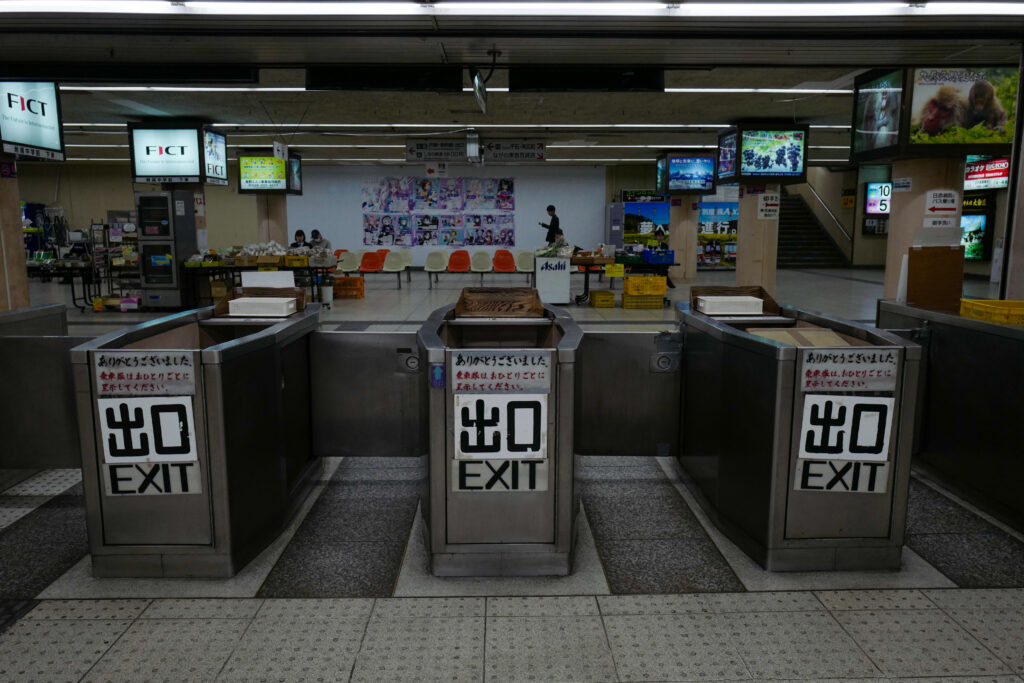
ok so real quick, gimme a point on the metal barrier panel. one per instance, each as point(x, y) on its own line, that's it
point(369, 395)
point(625, 403)
point(49, 320)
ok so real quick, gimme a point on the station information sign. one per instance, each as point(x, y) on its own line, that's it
point(879, 199)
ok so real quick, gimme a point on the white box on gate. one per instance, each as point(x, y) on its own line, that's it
point(730, 305)
point(262, 307)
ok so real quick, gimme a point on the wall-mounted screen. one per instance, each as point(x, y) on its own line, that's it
point(215, 157)
point(165, 155)
point(986, 174)
point(294, 174)
point(727, 156)
point(691, 174)
point(30, 123)
point(966, 107)
point(661, 175)
point(879, 199)
point(773, 153)
point(878, 98)
point(262, 174)
point(973, 238)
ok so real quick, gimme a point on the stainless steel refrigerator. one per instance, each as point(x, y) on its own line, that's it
point(167, 237)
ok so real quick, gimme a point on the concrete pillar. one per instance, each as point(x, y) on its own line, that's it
point(757, 241)
point(909, 211)
point(272, 213)
point(682, 238)
point(1013, 287)
point(13, 276)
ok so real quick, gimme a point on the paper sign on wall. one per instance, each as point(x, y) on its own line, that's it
point(768, 206)
point(824, 370)
point(941, 202)
point(846, 427)
point(147, 430)
point(510, 427)
point(902, 184)
point(144, 373)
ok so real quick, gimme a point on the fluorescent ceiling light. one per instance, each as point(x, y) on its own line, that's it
point(759, 91)
point(168, 88)
point(637, 159)
point(845, 161)
point(83, 145)
point(829, 146)
point(600, 146)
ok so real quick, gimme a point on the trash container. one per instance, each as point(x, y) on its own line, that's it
point(37, 397)
point(501, 391)
point(196, 440)
point(796, 431)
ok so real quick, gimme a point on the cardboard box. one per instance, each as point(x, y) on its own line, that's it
point(297, 293)
point(247, 260)
point(218, 289)
point(270, 260)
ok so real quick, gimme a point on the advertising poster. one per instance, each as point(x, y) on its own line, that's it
point(777, 153)
point(262, 173)
point(963, 106)
point(973, 237)
point(727, 156)
point(414, 211)
point(691, 174)
point(986, 174)
point(717, 223)
point(31, 117)
point(215, 152)
point(643, 220)
point(877, 117)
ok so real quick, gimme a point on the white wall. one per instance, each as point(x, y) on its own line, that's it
point(332, 201)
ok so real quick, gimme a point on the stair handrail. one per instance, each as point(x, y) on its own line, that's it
point(831, 215)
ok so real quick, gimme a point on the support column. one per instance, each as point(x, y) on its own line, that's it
point(272, 212)
point(13, 276)
point(757, 240)
point(1013, 287)
point(682, 238)
point(909, 212)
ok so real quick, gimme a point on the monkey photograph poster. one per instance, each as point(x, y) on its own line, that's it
point(964, 106)
point(877, 117)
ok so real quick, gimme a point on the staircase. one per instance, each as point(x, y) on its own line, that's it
point(803, 243)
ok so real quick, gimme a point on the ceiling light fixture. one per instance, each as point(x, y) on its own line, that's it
point(169, 88)
point(758, 91)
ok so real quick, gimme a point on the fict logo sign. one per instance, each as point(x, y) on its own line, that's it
point(29, 115)
point(166, 152)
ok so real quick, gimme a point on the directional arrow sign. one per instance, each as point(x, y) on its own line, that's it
point(933, 209)
point(941, 201)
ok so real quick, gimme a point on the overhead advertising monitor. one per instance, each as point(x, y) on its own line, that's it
point(262, 174)
point(879, 199)
point(973, 238)
point(963, 109)
point(691, 174)
point(165, 155)
point(727, 156)
point(215, 157)
point(772, 153)
point(295, 174)
point(661, 175)
point(986, 174)
point(30, 124)
point(878, 107)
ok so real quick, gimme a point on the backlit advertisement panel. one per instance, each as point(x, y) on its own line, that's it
point(30, 120)
point(166, 155)
point(262, 174)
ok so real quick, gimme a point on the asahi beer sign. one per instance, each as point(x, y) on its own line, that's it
point(866, 369)
point(166, 154)
point(30, 120)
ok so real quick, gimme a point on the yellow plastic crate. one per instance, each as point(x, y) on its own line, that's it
point(296, 261)
point(993, 311)
point(642, 285)
point(602, 299)
point(643, 300)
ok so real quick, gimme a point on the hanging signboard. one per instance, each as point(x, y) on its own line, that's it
point(515, 150)
point(428, 149)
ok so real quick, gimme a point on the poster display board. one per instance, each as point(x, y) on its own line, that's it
point(679, 173)
point(450, 212)
point(754, 152)
point(30, 122)
point(983, 173)
point(967, 108)
point(643, 221)
point(215, 157)
point(718, 218)
point(262, 174)
point(878, 106)
point(879, 199)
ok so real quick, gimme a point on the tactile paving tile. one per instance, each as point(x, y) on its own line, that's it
point(417, 649)
point(169, 649)
point(555, 606)
point(874, 600)
point(652, 604)
point(919, 643)
point(47, 483)
point(673, 647)
point(10, 514)
point(390, 608)
point(977, 598)
point(796, 645)
point(55, 650)
point(296, 649)
point(12, 610)
point(314, 608)
point(1001, 631)
point(782, 601)
point(548, 649)
point(202, 608)
point(72, 610)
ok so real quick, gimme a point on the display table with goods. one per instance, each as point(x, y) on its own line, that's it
point(38, 424)
point(587, 261)
point(196, 440)
point(67, 271)
point(501, 393)
point(797, 431)
point(971, 401)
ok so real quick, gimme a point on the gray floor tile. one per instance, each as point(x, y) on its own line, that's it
point(802, 645)
point(638, 510)
point(371, 462)
point(12, 610)
point(919, 643)
point(930, 512)
point(10, 477)
point(612, 461)
point(314, 570)
point(781, 601)
point(548, 649)
point(88, 609)
point(978, 598)
point(40, 650)
point(202, 608)
point(988, 560)
point(874, 600)
point(416, 649)
point(299, 648)
point(327, 608)
point(651, 604)
point(46, 483)
point(40, 547)
point(678, 647)
point(170, 650)
point(961, 679)
point(336, 520)
point(1001, 631)
point(645, 470)
point(666, 566)
point(390, 608)
point(554, 606)
point(383, 474)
